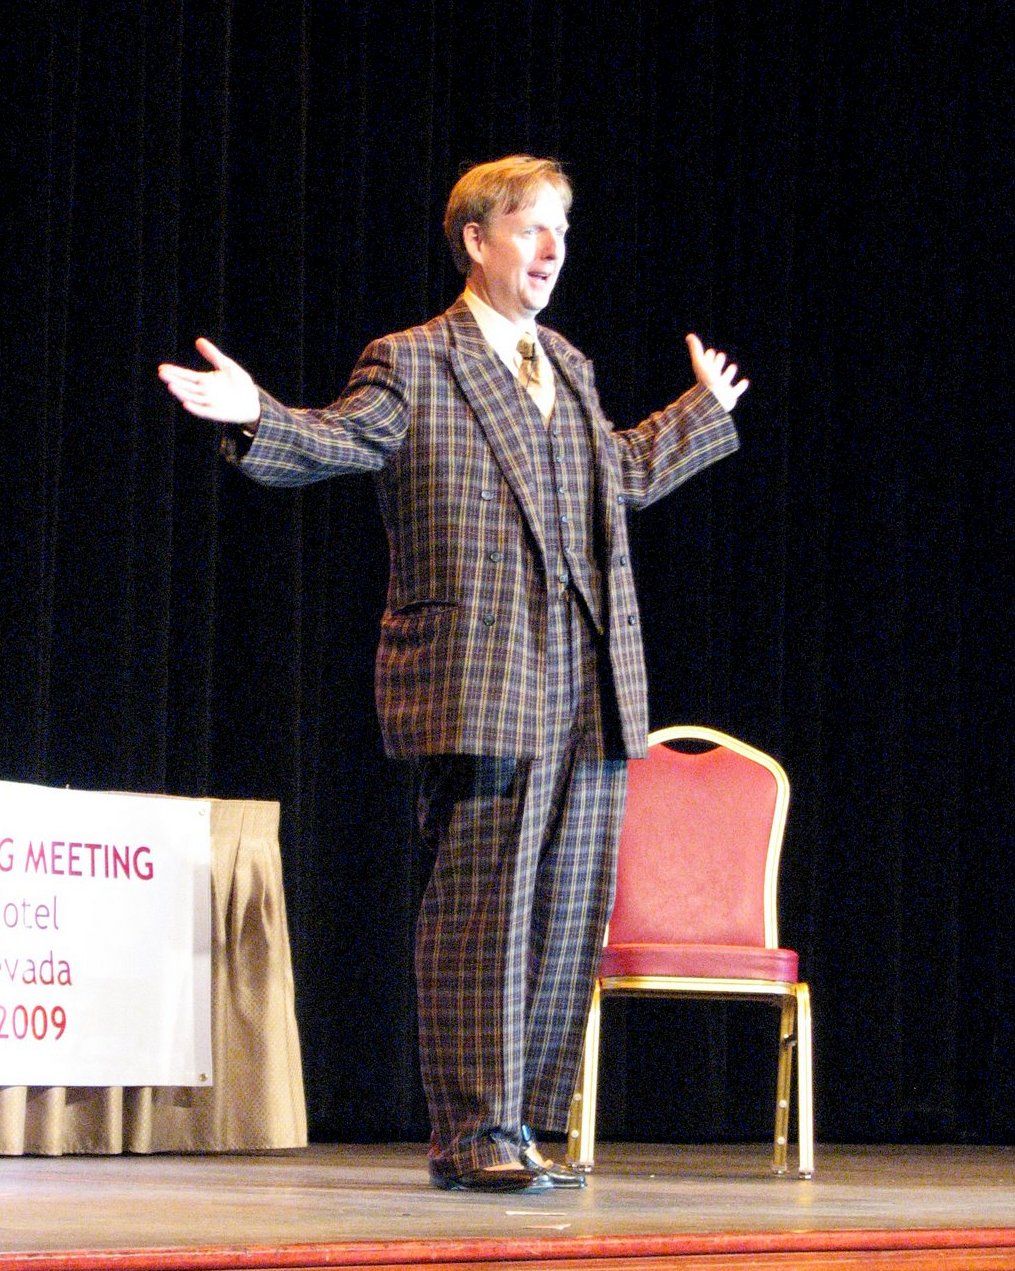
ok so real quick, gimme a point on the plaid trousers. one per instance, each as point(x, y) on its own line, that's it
point(513, 917)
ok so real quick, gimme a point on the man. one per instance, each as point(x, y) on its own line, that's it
point(510, 664)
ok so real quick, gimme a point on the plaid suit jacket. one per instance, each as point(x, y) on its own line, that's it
point(434, 414)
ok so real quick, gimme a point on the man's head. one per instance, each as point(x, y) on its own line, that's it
point(505, 223)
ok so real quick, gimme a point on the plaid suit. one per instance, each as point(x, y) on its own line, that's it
point(477, 662)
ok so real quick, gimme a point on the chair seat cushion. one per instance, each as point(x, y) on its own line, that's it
point(700, 961)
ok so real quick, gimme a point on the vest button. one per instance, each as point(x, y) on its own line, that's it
point(496, 556)
point(621, 560)
point(488, 619)
point(631, 619)
point(562, 576)
point(622, 499)
point(486, 495)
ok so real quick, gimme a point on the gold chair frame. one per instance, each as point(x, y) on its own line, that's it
point(792, 997)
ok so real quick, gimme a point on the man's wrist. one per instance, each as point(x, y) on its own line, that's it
point(236, 439)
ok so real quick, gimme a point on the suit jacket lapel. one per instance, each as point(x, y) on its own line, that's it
point(491, 391)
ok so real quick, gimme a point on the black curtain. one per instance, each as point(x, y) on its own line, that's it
point(814, 186)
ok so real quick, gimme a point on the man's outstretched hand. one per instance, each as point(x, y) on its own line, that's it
point(227, 393)
point(711, 371)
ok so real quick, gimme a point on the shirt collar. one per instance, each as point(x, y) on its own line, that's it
point(499, 332)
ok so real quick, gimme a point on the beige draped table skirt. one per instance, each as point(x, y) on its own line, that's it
point(257, 1100)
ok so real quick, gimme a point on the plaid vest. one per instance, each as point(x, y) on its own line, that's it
point(563, 467)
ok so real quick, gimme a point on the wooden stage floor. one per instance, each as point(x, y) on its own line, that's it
point(645, 1207)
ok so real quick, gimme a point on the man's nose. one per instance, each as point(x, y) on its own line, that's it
point(550, 246)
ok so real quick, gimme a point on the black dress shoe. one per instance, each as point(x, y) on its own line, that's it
point(560, 1175)
point(488, 1178)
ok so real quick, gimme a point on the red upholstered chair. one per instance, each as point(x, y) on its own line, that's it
point(695, 913)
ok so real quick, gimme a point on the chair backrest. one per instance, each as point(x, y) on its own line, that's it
point(699, 849)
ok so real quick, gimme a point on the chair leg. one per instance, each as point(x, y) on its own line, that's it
point(784, 1081)
point(581, 1127)
point(805, 1082)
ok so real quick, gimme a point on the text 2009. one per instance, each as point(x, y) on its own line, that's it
point(34, 1023)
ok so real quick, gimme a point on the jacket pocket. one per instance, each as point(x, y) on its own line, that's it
point(422, 606)
point(416, 623)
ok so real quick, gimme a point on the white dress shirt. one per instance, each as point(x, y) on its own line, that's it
point(503, 335)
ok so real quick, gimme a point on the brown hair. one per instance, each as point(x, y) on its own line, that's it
point(504, 185)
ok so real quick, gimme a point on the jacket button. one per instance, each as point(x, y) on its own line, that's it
point(631, 619)
point(621, 499)
point(486, 495)
point(622, 560)
point(562, 576)
point(496, 556)
point(488, 619)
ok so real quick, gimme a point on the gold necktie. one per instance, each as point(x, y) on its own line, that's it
point(528, 372)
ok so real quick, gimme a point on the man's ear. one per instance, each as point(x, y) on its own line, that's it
point(472, 237)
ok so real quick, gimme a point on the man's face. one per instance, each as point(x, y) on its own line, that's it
point(517, 256)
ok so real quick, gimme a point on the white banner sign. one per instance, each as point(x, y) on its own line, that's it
point(105, 939)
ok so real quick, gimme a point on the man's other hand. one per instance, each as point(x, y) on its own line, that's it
point(226, 394)
point(712, 371)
